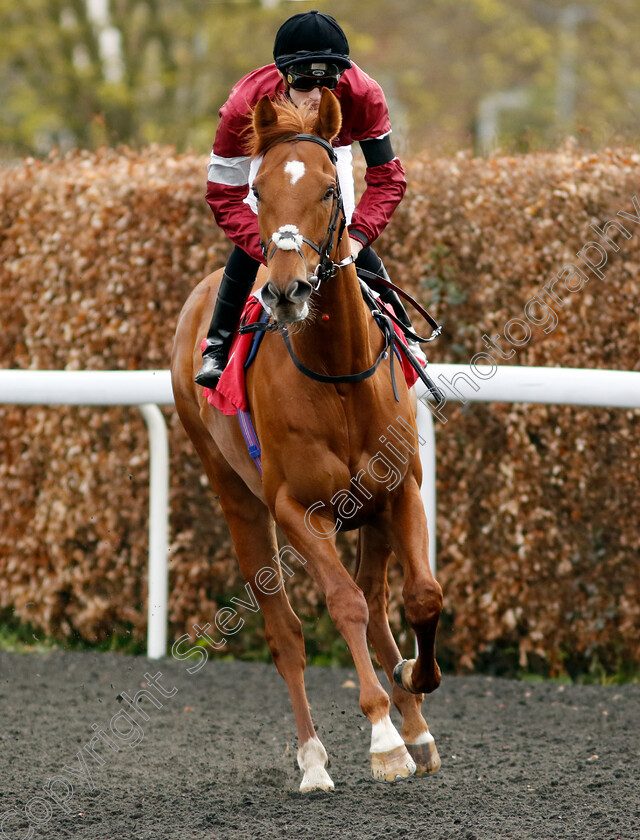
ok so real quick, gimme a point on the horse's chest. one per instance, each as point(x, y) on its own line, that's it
point(348, 487)
point(344, 459)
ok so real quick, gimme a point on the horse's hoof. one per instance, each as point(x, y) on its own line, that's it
point(316, 778)
point(392, 765)
point(425, 756)
point(402, 674)
point(312, 759)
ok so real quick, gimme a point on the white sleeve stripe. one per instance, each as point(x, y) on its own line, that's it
point(232, 171)
point(382, 136)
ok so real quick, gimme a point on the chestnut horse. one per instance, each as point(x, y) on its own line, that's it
point(321, 445)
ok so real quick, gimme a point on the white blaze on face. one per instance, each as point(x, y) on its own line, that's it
point(295, 170)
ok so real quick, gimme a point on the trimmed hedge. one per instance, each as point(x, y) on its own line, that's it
point(538, 509)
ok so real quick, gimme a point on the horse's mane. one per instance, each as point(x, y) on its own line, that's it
point(291, 121)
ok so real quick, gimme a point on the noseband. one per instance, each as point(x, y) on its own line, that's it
point(289, 239)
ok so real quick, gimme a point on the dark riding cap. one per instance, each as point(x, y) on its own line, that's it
point(311, 36)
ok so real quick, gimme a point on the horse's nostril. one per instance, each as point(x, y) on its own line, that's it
point(296, 295)
point(299, 291)
point(270, 294)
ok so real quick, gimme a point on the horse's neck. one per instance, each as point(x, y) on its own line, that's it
point(337, 340)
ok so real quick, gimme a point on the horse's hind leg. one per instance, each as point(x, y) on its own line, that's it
point(371, 576)
point(253, 534)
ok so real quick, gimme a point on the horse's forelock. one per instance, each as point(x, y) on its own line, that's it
point(291, 121)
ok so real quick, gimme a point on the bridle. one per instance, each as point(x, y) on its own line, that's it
point(290, 240)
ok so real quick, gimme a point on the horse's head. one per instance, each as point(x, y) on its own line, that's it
point(298, 199)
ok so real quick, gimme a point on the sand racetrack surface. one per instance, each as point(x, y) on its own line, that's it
point(218, 758)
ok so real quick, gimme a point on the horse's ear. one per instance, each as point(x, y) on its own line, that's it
point(329, 119)
point(264, 115)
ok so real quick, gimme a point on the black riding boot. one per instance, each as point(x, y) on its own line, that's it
point(231, 299)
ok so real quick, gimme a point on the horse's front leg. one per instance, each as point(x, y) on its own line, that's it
point(421, 592)
point(254, 540)
point(347, 606)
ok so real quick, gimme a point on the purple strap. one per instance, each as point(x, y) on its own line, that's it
point(250, 438)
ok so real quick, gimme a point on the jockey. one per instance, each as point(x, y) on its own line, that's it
point(310, 52)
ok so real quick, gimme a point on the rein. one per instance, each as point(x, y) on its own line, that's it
point(291, 240)
point(389, 348)
point(435, 326)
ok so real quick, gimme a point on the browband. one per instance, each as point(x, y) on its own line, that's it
point(321, 142)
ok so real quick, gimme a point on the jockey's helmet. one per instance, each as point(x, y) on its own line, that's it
point(311, 37)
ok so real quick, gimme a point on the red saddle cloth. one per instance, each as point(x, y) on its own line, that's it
point(230, 396)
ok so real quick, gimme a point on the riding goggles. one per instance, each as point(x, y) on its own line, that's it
point(314, 74)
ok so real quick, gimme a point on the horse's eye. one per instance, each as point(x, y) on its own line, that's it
point(331, 191)
point(256, 194)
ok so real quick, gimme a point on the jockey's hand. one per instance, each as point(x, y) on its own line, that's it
point(356, 247)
